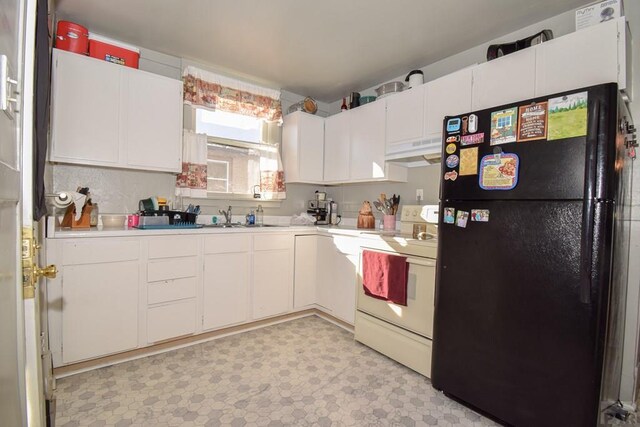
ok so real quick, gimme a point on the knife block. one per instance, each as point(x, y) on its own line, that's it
point(69, 219)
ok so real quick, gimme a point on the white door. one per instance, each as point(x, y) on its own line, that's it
point(13, 405)
point(337, 147)
point(367, 141)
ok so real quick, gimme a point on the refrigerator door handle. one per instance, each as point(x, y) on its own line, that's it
point(586, 243)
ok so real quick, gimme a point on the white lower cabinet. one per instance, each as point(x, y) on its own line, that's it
point(225, 297)
point(337, 276)
point(306, 271)
point(99, 300)
point(173, 271)
point(272, 274)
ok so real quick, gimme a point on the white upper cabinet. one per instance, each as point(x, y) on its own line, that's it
point(367, 132)
point(109, 115)
point(85, 110)
point(587, 57)
point(446, 96)
point(337, 148)
point(152, 121)
point(507, 79)
point(303, 147)
point(405, 116)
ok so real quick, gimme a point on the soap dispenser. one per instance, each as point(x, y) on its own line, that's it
point(259, 216)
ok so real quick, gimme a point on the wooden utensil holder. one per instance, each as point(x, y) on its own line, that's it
point(69, 219)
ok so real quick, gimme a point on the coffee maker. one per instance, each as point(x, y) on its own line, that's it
point(324, 211)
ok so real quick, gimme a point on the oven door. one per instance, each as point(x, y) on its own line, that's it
point(417, 316)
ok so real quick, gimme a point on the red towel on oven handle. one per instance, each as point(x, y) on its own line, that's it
point(385, 276)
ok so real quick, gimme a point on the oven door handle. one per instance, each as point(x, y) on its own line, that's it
point(427, 262)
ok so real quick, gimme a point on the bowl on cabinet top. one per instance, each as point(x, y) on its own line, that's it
point(113, 220)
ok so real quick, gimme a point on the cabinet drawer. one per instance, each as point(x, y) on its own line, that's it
point(171, 320)
point(95, 251)
point(170, 247)
point(226, 244)
point(268, 242)
point(171, 290)
point(168, 269)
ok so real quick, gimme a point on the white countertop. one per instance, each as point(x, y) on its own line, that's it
point(373, 235)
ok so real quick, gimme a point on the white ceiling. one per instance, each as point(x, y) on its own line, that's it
point(322, 48)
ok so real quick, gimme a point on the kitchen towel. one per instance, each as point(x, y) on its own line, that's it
point(385, 276)
point(192, 182)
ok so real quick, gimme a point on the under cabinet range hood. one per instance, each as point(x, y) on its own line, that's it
point(415, 153)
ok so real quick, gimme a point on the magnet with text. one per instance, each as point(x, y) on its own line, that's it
point(453, 125)
point(455, 138)
point(480, 215)
point(568, 116)
point(499, 171)
point(532, 122)
point(477, 138)
point(461, 219)
point(504, 126)
point(452, 161)
point(468, 161)
point(451, 148)
point(449, 215)
point(465, 125)
point(451, 176)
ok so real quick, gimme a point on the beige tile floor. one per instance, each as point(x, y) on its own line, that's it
point(304, 372)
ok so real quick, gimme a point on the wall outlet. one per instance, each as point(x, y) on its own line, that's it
point(419, 194)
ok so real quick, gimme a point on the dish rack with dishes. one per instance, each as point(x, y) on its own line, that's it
point(165, 219)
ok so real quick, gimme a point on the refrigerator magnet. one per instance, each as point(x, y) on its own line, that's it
point(468, 161)
point(480, 215)
point(452, 161)
point(477, 138)
point(451, 176)
point(453, 125)
point(568, 116)
point(454, 138)
point(461, 219)
point(503, 126)
point(449, 215)
point(451, 148)
point(532, 122)
point(499, 171)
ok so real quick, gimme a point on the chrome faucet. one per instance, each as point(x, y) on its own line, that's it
point(227, 215)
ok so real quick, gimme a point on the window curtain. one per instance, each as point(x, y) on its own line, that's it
point(192, 182)
point(216, 92)
point(205, 89)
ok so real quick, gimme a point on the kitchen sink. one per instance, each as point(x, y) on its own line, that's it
point(238, 225)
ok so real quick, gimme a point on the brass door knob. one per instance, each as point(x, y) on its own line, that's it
point(49, 272)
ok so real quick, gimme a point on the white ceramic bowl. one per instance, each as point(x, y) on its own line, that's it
point(113, 220)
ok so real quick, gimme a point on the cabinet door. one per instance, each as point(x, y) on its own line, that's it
point(345, 279)
point(305, 271)
point(100, 309)
point(152, 121)
point(311, 134)
point(583, 58)
point(303, 147)
point(337, 147)
point(325, 288)
point(405, 116)
point(226, 285)
point(511, 78)
point(446, 96)
point(367, 141)
point(272, 282)
point(85, 110)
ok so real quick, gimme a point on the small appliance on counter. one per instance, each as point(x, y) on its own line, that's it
point(325, 211)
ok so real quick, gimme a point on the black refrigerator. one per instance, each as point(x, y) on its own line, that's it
point(532, 257)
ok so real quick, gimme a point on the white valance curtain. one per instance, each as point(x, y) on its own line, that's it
point(212, 91)
point(192, 182)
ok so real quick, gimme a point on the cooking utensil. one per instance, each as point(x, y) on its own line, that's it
point(366, 99)
point(113, 220)
point(389, 88)
point(308, 105)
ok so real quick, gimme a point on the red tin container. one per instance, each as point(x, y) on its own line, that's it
point(72, 37)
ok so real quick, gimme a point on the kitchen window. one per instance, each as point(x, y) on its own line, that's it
point(242, 124)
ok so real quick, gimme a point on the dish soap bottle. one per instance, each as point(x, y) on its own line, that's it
point(259, 216)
